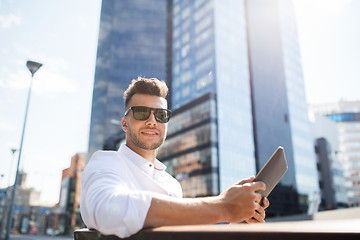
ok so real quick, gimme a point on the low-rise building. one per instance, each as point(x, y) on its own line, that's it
point(68, 209)
point(346, 115)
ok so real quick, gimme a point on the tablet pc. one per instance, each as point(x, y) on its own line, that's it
point(272, 171)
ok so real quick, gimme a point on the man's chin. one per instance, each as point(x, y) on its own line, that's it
point(154, 146)
point(149, 146)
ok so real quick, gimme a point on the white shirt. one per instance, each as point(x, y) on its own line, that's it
point(116, 190)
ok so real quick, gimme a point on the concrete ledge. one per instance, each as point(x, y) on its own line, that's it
point(337, 214)
point(343, 229)
point(299, 230)
point(296, 227)
point(347, 213)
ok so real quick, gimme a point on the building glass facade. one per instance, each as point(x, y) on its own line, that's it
point(305, 166)
point(192, 50)
point(279, 104)
point(190, 151)
point(235, 130)
point(210, 55)
point(132, 43)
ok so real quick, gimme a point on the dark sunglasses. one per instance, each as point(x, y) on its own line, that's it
point(143, 113)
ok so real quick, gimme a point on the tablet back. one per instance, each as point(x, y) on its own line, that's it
point(272, 171)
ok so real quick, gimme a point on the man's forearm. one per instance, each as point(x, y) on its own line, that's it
point(238, 203)
point(169, 211)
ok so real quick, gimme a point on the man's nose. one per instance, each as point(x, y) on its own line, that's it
point(151, 120)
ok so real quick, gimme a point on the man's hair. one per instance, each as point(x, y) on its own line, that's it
point(150, 86)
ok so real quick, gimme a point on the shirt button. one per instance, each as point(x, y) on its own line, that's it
point(150, 165)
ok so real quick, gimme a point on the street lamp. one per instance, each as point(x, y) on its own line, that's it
point(33, 67)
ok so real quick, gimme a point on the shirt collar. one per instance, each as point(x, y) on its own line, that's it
point(141, 162)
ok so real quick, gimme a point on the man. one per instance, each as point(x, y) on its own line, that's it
point(125, 191)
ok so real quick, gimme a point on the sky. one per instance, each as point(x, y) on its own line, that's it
point(329, 36)
point(62, 35)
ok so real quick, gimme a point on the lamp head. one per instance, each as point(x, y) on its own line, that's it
point(33, 66)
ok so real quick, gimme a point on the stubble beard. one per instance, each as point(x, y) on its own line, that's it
point(143, 144)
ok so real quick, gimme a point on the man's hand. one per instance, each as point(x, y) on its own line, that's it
point(260, 216)
point(242, 203)
point(264, 204)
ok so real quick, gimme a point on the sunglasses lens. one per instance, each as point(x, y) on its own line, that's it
point(162, 115)
point(141, 113)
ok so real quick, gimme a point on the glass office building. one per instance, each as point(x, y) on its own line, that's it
point(303, 149)
point(234, 71)
point(209, 54)
point(301, 136)
point(132, 43)
point(279, 103)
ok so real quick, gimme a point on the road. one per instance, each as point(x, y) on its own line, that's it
point(35, 237)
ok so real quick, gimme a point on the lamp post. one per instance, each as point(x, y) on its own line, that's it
point(6, 205)
point(33, 67)
point(13, 151)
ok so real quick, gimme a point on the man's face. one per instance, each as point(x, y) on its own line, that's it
point(148, 134)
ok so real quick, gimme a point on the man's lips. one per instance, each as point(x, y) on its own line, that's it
point(150, 132)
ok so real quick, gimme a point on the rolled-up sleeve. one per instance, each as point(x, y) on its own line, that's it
point(109, 206)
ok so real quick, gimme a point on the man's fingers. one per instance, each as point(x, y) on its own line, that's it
point(256, 219)
point(251, 220)
point(247, 180)
point(261, 211)
point(258, 198)
point(258, 215)
point(265, 202)
point(258, 186)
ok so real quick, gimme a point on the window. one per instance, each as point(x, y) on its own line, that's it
point(176, 32)
point(185, 50)
point(185, 37)
point(204, 81)
point(204, 23)
point(203, 51)
point(185, 63)
point(203, 37)
point(204, 66)
point(176, 9)
point(185, 14)
point(203, 10)
point(186, 77)
point(186, 91)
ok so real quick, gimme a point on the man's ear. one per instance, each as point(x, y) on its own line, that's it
point(124, 124)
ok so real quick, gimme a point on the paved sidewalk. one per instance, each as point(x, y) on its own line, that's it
point(35, 237)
